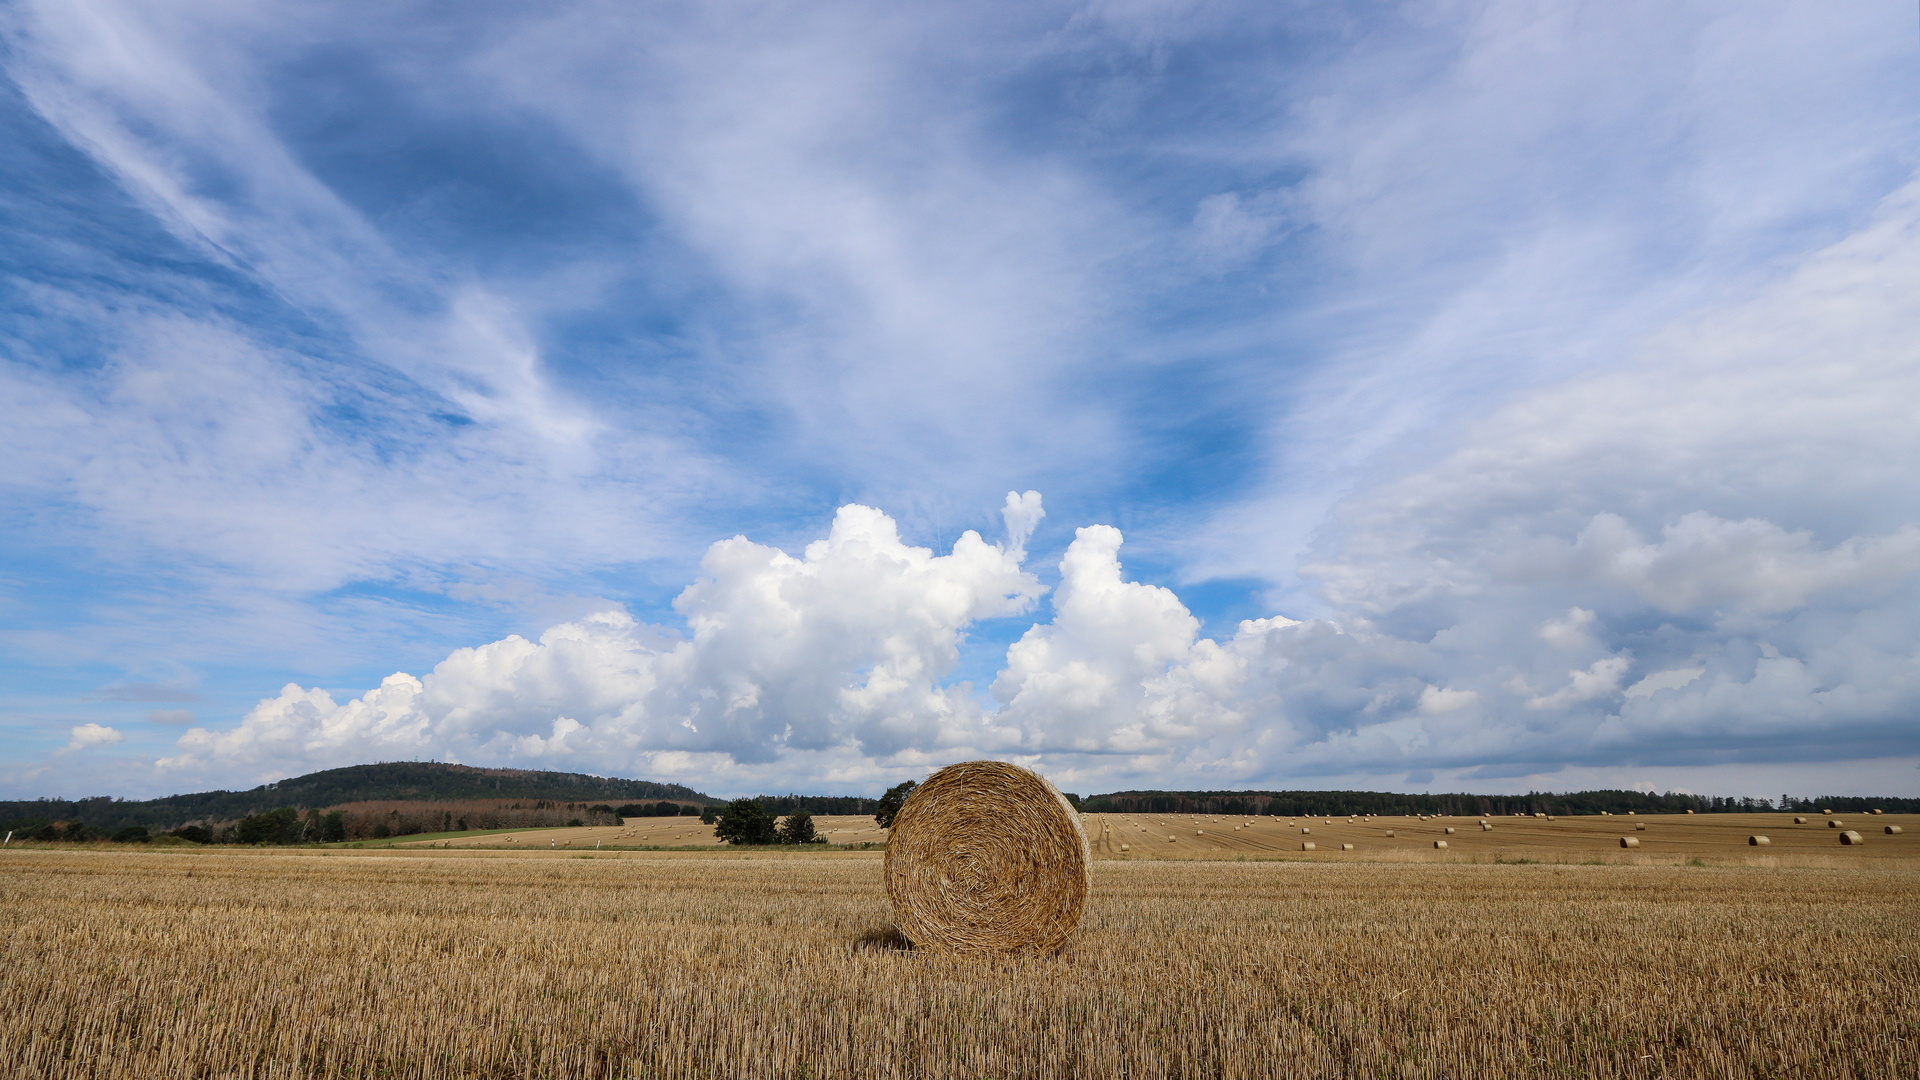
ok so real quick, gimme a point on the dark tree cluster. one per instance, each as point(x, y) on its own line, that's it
point(663, 808)
point(745, 821)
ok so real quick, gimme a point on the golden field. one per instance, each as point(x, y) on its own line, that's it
point(489, 963)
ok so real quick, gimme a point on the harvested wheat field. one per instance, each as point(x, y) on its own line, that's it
point(477, 963)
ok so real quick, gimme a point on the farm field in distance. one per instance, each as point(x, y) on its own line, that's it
point(539, 962)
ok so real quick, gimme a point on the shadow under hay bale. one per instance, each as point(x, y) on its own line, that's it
point(988, 858)
point(886, 939)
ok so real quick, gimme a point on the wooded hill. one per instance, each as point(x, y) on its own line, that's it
point(387, 781)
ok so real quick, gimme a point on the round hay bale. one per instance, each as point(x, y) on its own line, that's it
point(1306, 845)
point(1850, 838)
point(1486, 826)
point(1346, 847)
point(1439, 843)
point(1874, 812)
point(1893, 830)
point(1757, 841)
point(1449, 830)
point(1835, 823)
point(1304, 831)
point(1826, 811)
point(1389, 832)
point(1126, 847)
point(1799, 821)
point(1639, 826)
point(987, 857)
point(1629, 841)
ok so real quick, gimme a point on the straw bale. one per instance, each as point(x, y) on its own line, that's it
point(1639, 826)
point(1126, 847)
point(987, 857)
point(1850, 838)
point(1389, 832)
point(1449, 830)
point(1799, 821)
point(1629, 841)
point(1304, 831)
point(1306, 845)
point(1757, 841)
point(1875, 812)
point(1893, 830)
point(1439, 843)
point(1835, 823)
point(1486, 826)
point(1826, 811)
point(1346, 847)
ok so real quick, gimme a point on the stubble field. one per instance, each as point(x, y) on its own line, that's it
point(534, 964)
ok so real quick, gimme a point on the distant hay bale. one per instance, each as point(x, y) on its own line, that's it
point(1835, 823)
point(1439, 843)
point(1640, 826)
point(1689, 811)
point(1629, 841)
point(1875, 812)
point(1893, 830)
point(1199, 832)
point(1851, 838)
point(1449, 830)
point(1799, 821)
point(1486, 826)
point(1304, 831)
point(987, 857)
point(1306, 845)
point(1126, 847)
point(1171, 839)
point(1389, 833)
point(1826, 811)
point(1346, 847)
point(1758, 841)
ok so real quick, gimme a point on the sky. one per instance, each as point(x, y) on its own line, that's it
point(777, 397)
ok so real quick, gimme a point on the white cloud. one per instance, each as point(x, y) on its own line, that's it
point(83, 736)
point(839, 652)
point(1664, 680)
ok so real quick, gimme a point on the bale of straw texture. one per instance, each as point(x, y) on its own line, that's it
point(1826, 811)
point(1439, 843)
point(1893, 830)
point(1629, 841)
point(1875, 813)
point(1851, 838)
point(1799, 821)
point(987, 857)
point(1389, 832)
point(1486, 826)
point(1306, 845)
point(1126, 847)
point(1305, 831)
point(1449, 830)
point(1346, 847)
point(1835, 823)
point(1757, 841)
point(1639, 826)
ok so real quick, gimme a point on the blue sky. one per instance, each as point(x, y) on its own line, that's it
point(1440, 395)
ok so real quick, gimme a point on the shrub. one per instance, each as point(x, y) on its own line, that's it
point(691, 810)
point(708, 815)
point(198, 834)
point(744, 822)
point(75, 832)
point(132, 834)
point(381, 832)
point(890, 803)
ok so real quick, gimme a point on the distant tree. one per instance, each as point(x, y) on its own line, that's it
point(890, 803)
point(132, 834)
point(280, 826)
point(798, 829)
point(333, 827)
point(1075, 800)
point(744, 822)
point(574, 823)
point(198, 834)
point(44, 832)
point(75, 832)
point(690, 810)
point(381, 832)
point(708, 815)
point(663, 808)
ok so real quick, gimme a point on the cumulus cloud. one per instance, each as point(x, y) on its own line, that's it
point(84, 736)
point(841, 651)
